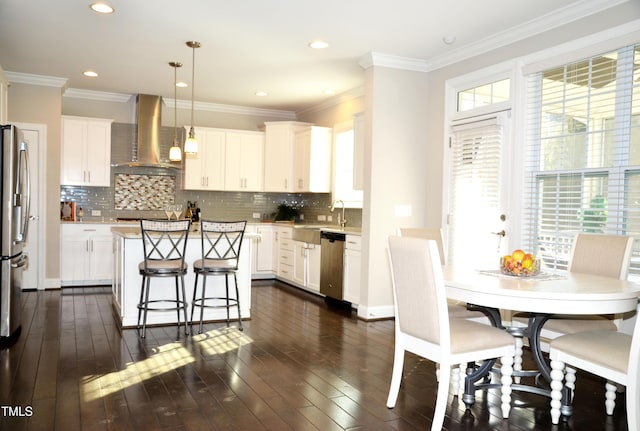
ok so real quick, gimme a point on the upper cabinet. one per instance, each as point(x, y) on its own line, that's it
point(280, 140)
point(297, 157)
point(244, 161)
point(86, 151)
point(312, 166)
point(205, 169)
point(226, 160)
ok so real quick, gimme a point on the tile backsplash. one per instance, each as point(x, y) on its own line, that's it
point(154, 188)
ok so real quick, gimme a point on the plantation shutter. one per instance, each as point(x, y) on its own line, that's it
point(474, 196)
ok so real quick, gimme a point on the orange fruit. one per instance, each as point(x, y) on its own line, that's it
point(517, 255)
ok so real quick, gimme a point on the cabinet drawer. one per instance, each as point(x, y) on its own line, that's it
point(286, 257)
point(286, 244)
point(353, 242)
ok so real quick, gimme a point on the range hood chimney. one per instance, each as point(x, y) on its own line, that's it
point(146, 153)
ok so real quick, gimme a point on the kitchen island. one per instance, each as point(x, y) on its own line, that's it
point(128, 253)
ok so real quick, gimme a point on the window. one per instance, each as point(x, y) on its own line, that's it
point(582, 167)
point(484, 95)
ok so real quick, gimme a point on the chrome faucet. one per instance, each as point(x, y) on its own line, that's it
point(341, 221)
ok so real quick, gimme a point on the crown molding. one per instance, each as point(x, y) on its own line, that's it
point(101, 96)
point(230, 109)
point(393, 61)
point(42, 80)
point(570, 13)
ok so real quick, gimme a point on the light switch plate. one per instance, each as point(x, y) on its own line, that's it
point(96, 213)
point(256, 215)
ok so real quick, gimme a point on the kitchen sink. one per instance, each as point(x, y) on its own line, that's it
point(307, 233)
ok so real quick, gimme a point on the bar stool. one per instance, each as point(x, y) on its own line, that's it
point(164, 244)
point(221, 242)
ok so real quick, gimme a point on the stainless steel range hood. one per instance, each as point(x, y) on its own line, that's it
point(146, 151)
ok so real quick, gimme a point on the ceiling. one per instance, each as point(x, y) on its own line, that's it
point(256, 45)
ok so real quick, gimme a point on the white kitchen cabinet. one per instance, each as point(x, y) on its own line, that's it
point(284, 249)
point(86, 151)
point(352, 265)
point(279, 154)
point(205, 170)
point(262, 263)
point(86, 255)
point(312, 168)
point(306, 265)
point(244, 166)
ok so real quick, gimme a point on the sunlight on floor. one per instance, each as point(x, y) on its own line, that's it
point(166, 358)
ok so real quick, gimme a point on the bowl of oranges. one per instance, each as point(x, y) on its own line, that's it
point(519, 264)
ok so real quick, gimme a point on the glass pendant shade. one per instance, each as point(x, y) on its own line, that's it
point(175, 153)
point(191, 144)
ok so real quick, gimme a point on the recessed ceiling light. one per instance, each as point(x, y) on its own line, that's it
point(261, 93)
point(318, 44)
point(182, 84)
point(90, 73)
point(101, 8)
point(329, 92)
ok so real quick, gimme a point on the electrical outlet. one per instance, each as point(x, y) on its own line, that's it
point(96, 213)
point(329, 218)
point(301, 216)
point(322, 217)
point(256, 215)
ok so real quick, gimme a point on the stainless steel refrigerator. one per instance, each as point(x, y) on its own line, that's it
point(14, 224)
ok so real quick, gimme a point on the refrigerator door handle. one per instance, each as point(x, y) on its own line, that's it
point(23, 166)
point(22, 262)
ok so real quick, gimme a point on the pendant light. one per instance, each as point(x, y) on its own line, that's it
point(175, 153)
point(191, 144)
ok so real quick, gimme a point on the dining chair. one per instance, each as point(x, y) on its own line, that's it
point(164, 243)
point(221, 244)
point(456, 309)
point(614, 356)
point(423, 325)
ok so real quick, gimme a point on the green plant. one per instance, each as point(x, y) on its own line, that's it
point(286, 212)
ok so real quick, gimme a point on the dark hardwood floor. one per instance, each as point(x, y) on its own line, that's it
point(300, 364)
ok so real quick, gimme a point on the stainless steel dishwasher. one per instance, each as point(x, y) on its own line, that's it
point(331, 264)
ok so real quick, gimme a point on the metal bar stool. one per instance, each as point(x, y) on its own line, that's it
point(221, 242)
point(164, 244)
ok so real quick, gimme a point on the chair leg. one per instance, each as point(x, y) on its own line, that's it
point(140, 303)
point(506, 373)
point(193, 299)
point(184, 306)
point(177, 301)
point(396, 375)
point(557, 375)
point(226, 286)
point(235, 280)
point(610, 398)
point(517, 358)
point(441, 397)
point(146, 308)
point(202, 300)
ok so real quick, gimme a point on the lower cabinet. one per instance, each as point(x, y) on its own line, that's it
point(262, 262)
point(306, 265)
point(86, 254)
point(352, 265)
